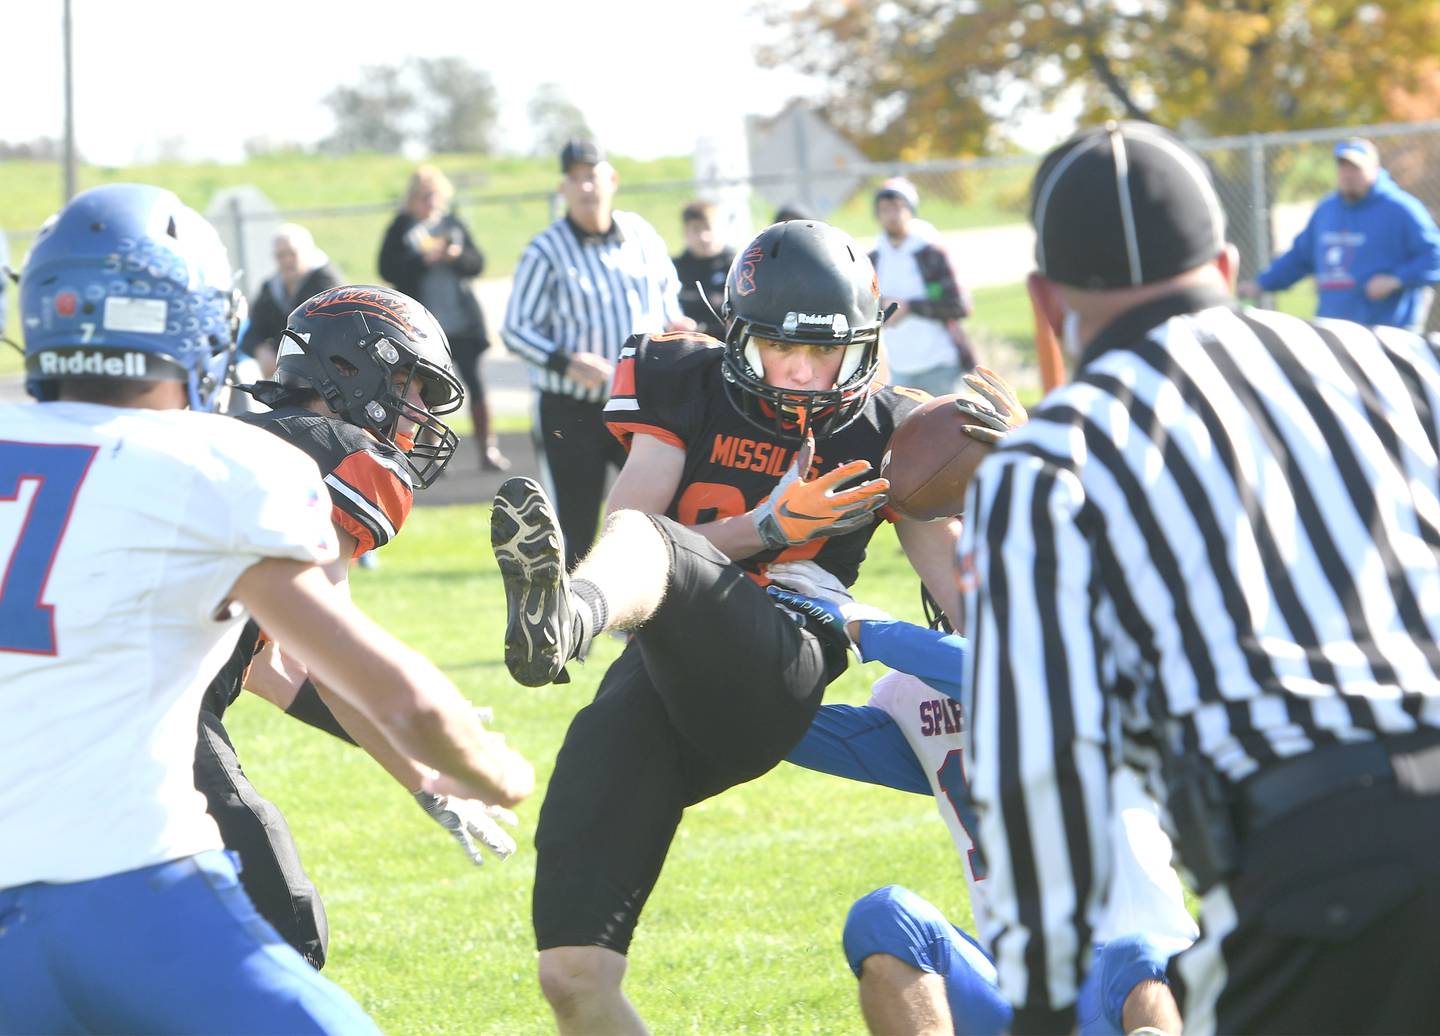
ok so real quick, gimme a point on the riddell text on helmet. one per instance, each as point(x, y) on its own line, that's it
point(128, 365)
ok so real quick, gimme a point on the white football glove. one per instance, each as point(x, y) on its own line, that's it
point(469, 820)
point(805, 587)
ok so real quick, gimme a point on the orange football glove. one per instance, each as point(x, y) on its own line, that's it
point(797, 511)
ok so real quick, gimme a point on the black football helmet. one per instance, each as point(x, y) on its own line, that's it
point(809, 283)
point(348, 343)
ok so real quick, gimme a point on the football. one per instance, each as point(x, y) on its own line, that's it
point(930, 460)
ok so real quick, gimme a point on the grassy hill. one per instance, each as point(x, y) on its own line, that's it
point(348, 201)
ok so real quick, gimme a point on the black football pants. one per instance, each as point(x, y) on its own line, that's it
point(254, 829)
point(575, 452)
point(714, 690)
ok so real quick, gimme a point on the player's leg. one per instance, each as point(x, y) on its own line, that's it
point(619, 584)
point(174, 948)
point(610, 812)
point(1126, 990)
point(740, 679)
point(917, 971)
point(692, 607)
point(252, 827)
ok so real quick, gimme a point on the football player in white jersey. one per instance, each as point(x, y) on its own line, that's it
point(135, 535)
point(917, 971)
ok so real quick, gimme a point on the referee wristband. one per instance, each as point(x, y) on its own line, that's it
point(558, 361)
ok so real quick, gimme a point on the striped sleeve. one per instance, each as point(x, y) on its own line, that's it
point(528, 318)
point(1040, 775)
point(626, 415)
point(370, 499)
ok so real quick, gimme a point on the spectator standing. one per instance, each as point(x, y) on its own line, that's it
point(302, 270)
point(925, 344)
point(584, 285)
point(702, 268)
point(1372, 248)
point(1209, 557)
point(428, 254)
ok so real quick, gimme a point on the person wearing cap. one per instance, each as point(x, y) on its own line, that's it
point(1208, 558)
point(584, 285)
point(925, 345)
point(1372, 248)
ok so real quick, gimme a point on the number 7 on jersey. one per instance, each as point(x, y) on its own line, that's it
point(38, 486)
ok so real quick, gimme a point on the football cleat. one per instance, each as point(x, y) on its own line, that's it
point(541, 627)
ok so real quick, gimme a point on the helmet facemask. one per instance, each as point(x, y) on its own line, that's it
point(801, 283)
point(373, 397)
point(789, 414)
point(428, 443)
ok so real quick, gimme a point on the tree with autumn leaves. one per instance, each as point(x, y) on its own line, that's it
point(921, 78)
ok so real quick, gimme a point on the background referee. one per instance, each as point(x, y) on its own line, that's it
point(1215, 554)
point(584, 285)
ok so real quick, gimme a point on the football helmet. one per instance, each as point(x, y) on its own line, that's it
point(347, 344)
point(808, 283)
point(128, 282)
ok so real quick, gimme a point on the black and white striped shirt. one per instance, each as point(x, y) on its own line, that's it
point(1225, 532)
point(577, 292)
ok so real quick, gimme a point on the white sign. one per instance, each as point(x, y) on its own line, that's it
point(798, 159)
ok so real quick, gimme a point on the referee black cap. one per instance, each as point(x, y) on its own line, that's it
point(580, 149)
point(1121, 205)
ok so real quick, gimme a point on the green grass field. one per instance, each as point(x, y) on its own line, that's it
point(743, 932)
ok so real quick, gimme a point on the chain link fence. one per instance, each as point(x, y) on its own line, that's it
point(1268, 184)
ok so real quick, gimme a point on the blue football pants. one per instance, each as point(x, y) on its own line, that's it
point(173, 948)
point(895, 921)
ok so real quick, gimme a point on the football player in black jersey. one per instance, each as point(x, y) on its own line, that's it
point(741, 453)
point(362, 379)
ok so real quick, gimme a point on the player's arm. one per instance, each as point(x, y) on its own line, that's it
point(649, 481)
point(399, 690)
point(860, 743)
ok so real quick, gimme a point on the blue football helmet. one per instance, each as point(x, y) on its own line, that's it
point(128, 282)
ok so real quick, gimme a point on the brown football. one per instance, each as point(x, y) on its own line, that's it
point(930, 460)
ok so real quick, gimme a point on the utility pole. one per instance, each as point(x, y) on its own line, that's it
point(69, 114)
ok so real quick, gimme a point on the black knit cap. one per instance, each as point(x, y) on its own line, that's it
point(1122, 205)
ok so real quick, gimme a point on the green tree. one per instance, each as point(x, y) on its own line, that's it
point(459, 105)
point(554, 119)
point(371, 115)
point(915, 78)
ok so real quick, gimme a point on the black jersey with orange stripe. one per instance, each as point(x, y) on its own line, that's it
point(671, 386)
point(370, 487)
point(370, 497)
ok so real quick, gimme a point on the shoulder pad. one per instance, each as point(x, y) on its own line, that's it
point(370, 487)
point(658, 385)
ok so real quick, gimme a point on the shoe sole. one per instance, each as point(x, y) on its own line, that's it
point(525, 536)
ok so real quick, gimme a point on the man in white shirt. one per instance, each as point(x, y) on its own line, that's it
point(134, 538)
point(925, 345)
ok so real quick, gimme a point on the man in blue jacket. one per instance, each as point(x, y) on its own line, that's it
point(1373, 249)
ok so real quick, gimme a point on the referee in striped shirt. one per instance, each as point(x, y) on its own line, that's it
point(584, 285)
point(1215, 556)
